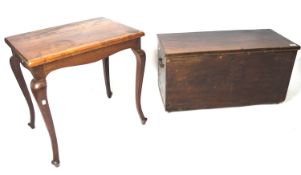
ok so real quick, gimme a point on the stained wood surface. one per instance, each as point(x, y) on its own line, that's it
point(51, 44)
point(210, 81)
point(224, 68)
point(219, 41)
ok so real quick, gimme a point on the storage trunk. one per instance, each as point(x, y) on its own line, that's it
point(224, 68)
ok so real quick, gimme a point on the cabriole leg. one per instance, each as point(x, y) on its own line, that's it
point(106, 72)
point(39, 90)
point(15, 66)
point(140, 57)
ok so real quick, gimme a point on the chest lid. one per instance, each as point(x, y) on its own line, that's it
point(224, 41)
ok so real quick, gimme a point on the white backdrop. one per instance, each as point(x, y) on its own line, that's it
point(97, 135)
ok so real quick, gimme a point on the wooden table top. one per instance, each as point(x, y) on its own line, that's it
point(47, 45)
point(220, 41)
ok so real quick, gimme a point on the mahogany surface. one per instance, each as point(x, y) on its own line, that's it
point(44, 51)
point(55, 43)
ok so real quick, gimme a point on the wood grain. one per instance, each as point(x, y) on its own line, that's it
point(223, 41)
point(191, 77)
point(44, 51)
point(48, 45)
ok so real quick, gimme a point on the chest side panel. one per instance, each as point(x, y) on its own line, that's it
point(162, 73)
point(231, 79)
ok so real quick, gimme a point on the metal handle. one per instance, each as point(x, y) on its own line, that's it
point(160, 61)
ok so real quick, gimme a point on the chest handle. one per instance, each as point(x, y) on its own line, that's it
point(160, 61)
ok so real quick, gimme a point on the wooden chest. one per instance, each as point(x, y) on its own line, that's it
point(224, 68)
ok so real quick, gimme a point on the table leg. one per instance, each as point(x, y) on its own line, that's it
point(15, 66)
point(140, 58)
point(106, 72)
point(39, 90)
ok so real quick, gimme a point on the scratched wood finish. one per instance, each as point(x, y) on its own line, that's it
point(51, 44)
point(224, 68)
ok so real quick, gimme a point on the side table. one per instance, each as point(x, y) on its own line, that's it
point(44, 51)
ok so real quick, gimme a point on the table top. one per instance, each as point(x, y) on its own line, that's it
point(51, 44)
point(221, 41)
